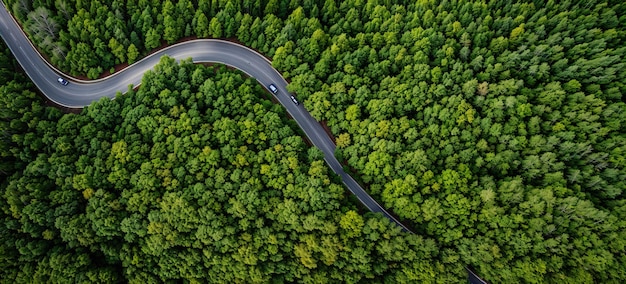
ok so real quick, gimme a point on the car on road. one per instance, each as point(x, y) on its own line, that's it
point(273, 88)
point(62, 81)
point(294, 100)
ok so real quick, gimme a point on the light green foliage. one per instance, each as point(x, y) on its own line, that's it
point(132, 53)
point(204, 181)
point(495, 129)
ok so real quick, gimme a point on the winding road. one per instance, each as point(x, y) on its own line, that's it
point(79, 93)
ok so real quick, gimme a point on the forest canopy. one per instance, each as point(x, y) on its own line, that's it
point(195, 177)
point(495, 130)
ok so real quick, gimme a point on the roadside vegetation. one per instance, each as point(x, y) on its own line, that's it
point(496, 130)
point(196, 176)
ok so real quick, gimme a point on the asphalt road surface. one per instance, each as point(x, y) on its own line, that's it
point(79, 93)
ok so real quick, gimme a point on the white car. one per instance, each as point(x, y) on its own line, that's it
point(62, 81)
point(294, 100)
point(273, 88)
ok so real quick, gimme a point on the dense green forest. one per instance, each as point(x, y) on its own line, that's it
point(195, 176)
point(496, 130)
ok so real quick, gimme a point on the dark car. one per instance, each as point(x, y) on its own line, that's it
point(62, 81)
point(273, 88)
point(294, 100)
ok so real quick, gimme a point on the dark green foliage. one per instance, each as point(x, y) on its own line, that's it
point(195, 180)
point(496, 129)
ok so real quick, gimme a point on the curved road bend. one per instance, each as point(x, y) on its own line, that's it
point(78, 93)
point(81, 93)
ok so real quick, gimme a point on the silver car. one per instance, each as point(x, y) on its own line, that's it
point(294, 100)
point(62, 81)
point(273, 88)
